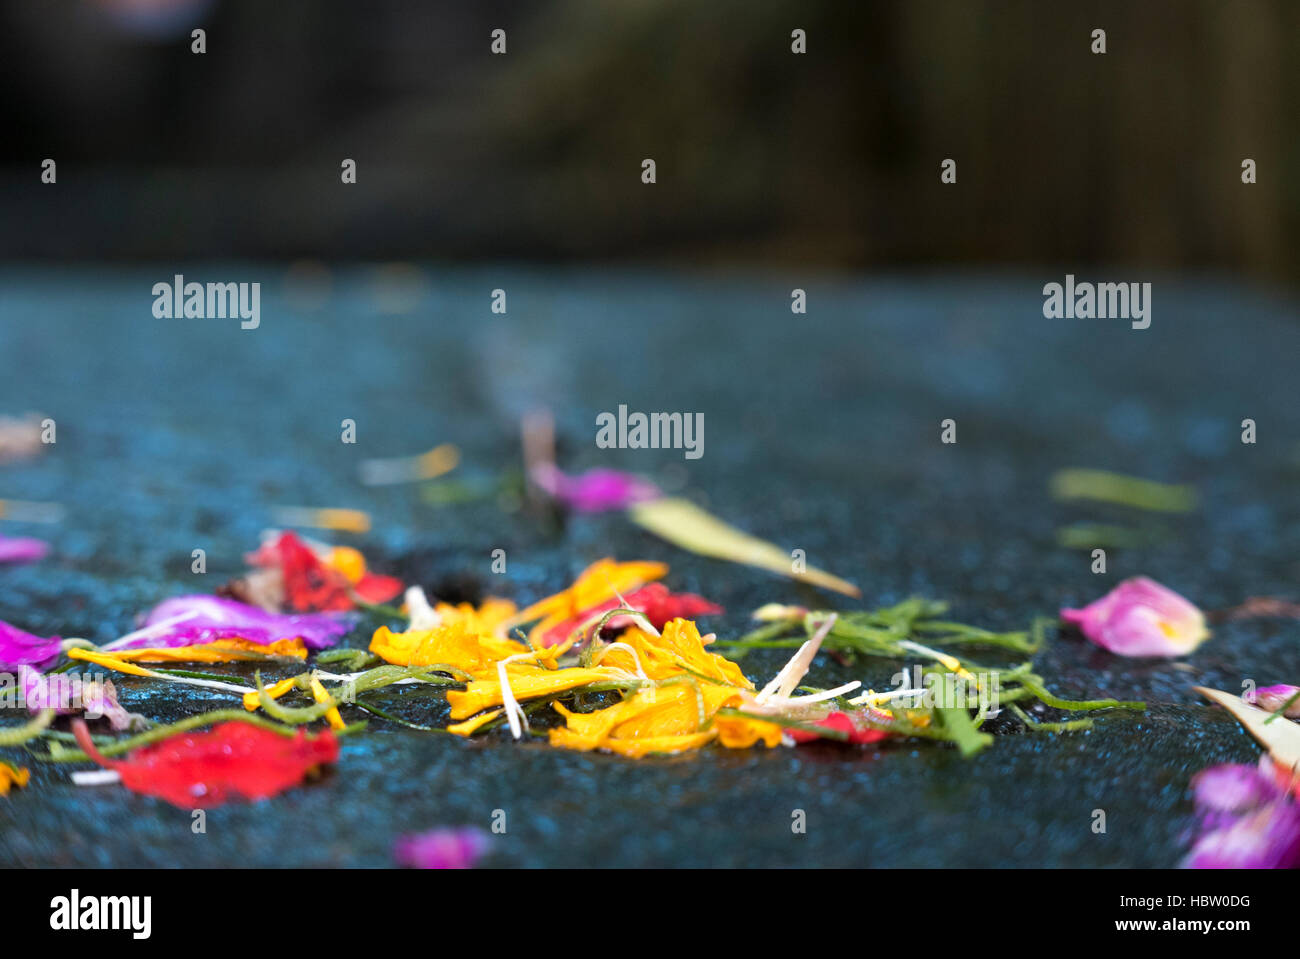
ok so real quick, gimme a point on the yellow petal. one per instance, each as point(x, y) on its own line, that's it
point(601, 581)
point(108, 662)
point(737, 732)
point(253, 700)
point(526, 682)
point(452, 645)
point(684, 524)
point(678, 649)
point(348, 561)
point(471, 726)
point(321, 695)
point(219, 651)
point(12, 775)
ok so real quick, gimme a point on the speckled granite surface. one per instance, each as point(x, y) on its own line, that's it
point(822, 433)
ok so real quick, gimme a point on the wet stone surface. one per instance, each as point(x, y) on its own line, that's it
point(821, 433)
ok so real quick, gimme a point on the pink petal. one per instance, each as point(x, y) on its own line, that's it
point(1139, 617)
point(442, 848)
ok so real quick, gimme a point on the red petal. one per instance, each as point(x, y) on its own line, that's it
point(234, 761)
point(379, 589)
point(843, 723)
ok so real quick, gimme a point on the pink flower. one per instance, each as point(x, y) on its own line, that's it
point(1273, 698)
point(22, 549)
point(18, 648)
point(595, 490)
point(186, 620)
point(442, 849)
point(1139, 617)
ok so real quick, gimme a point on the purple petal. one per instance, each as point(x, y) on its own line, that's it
point(18, 648)
point(22, 549)
point(442, 848)
point(203, 619)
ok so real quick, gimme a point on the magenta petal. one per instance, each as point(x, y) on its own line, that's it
point(22, 549)
point(1139, 617)
point(1266, 839)
point(595, 490)
point(18, 648)
point(442, 848)
point(210, 618)
point(1232, 788)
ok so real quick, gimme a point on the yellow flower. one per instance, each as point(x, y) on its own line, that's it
point(601, 581)
point(452, 644)
point(12, 775)
point(679, 649)
point(218, 651)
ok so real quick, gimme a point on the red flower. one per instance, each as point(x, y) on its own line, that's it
point(653, 601)
point(234, 761)
point(843, 723)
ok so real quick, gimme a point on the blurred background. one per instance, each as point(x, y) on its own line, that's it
point(831, 158)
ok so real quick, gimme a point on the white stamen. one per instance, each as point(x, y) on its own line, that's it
point(419, 612)
point(793, 672)
point(796, 701)
point(96, 777)
point(627, 649)
point(514, 714)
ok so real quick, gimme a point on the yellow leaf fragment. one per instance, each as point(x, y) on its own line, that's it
point(684, 524)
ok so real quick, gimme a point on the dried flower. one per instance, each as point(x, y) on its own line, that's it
point(1139, 617)
point(68, 694)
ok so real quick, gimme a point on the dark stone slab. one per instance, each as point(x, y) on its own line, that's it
point(822, 433)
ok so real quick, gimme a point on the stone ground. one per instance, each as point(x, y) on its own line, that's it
point(822, 433)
